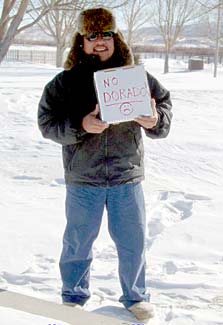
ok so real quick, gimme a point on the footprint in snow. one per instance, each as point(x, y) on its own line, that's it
point(26, 178)
point(107, 291)
point(37, 276)
point(57, 182)
point(44, 263)
point(168, 209)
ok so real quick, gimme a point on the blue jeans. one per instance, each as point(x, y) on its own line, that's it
point(126, 224)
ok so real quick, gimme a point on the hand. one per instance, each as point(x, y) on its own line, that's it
point(148, 122)
point(91, 124)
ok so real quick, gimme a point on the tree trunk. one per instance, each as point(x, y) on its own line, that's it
point(216, 58)
point(166, 62)
point(11, 32)
point(59, 55)
point(3, 29)
point(4, 46)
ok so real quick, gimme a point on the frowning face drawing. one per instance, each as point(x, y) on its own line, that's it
point(126, 108)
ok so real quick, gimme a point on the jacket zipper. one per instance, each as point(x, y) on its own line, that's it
point(106, 157)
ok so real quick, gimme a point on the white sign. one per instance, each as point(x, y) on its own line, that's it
point(123, 93)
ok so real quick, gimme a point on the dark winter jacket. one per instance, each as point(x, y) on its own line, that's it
point(111, 158)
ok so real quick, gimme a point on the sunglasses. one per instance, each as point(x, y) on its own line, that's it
point(104, 35)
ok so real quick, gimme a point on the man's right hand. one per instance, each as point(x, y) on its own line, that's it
point(91, 124)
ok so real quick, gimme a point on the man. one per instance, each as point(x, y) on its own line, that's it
point(103, 163)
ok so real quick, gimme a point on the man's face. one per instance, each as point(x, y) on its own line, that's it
point(100, 44)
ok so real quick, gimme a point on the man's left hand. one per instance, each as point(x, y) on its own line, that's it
point(148, 122)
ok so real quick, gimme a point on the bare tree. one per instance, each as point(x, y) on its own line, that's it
point(170, 18)
point(13, 13)
point(9, 25)
point(60, 22)
point(213, 7)
point(135, 14)
point(11, 20)
point(218, 36)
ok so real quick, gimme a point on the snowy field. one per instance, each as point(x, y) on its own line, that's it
point(183, 192)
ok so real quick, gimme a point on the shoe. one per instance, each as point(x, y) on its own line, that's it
point(142, 310)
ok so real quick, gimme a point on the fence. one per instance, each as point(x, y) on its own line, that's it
point(49, 57)
point(178, 56)
point(33, 56)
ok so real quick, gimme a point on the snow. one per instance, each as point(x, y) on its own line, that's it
point(183, 192)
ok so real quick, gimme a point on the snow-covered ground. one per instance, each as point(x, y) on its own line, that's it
point(183, 192)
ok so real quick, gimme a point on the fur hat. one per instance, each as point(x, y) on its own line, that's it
point(96, 20)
